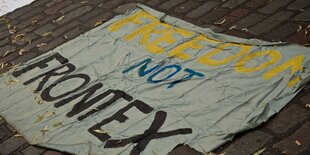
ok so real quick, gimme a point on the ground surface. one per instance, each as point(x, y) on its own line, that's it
point(287, 20)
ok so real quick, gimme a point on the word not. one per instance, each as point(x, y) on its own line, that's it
point(193, 41)
point(88, 99)
point(156, 70)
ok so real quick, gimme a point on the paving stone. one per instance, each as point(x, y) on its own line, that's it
point(2, 121)
point(28, 38)
point(282, 32)
point(65, 28)
point(47, 19)
point(19, 12)
point(56, 8)
point(238, 34)
point(281, 123)
point(273, 6)
point(6, 48)
point(214, 15)
point(186, 7)
point(170, 4)
point(185, 150)
point(306, 99)
point(4, 41)
point(99, 18)
point(239, 12)
point(232, 17)
point(226, 20)
point(40, 2)
point(299, 38)
point(34, 44)
point(51, 153)
point(91, 14)
point(289, 146)
point(51, 45)
point(31, 13)
point(299, 4)
point(111, 4)
point(206, 7)
point(52, 2)
point(11, 144)
point(155, 2)
point(248, 143)
point(303, 16)
point(125, 8)
point(28, 29)
point(4, 34)
point(4, 27)
point(233, 3)
point(32, 150)
point(213, 28)
point(74, 33)
point(44, 29)
point(256, 3)
point(70, 7)
point(75, 13)
point(95, 1)
point(29, 22)
point(25, 57)
point(270, 23)
point(2, 134)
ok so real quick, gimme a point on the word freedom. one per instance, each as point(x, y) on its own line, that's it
point(150, 26)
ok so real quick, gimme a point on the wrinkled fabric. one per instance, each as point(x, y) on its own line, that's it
point(170, 99)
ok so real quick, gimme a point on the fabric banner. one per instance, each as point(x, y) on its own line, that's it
point(144, 82)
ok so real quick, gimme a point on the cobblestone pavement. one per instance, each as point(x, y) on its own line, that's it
point(23, 34)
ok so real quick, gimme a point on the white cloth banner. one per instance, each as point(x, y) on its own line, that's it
point(144, 82)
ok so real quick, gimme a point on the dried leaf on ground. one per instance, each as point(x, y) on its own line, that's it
point(18, 37)
point(12, 31)
point(220, 23)
point(1, 65)
point(11, 81)
point(299, 28)
point(13, 68)
point(245, 29)
point(46, 34)
point(7, 53)
point(100, 131)
point(50, 113)
point(45, 129)
point(298, 142)
point(42, 44)
point(18, 135)
point(21, 51)
point(56, 125)
point(259, 152)
point(98, 23)
point(39, 118)
point(59, 19)
point(34, 21)
point(38, 100)
point(232, 27)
